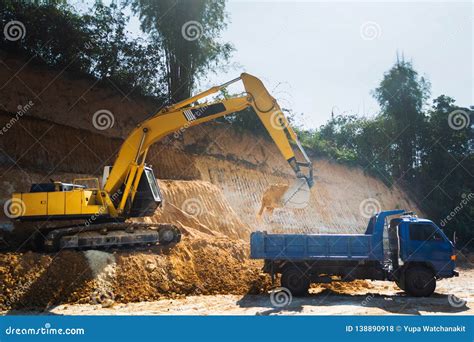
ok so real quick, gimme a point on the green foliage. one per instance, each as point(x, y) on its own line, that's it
point(410, 146)
point(189, 33)
point(446, 174)
point(95, 44)
point(128, 63)
point(54, 34)
point(402, 95)
point(164, 65)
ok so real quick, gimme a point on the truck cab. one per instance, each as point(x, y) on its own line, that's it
point(420, 253)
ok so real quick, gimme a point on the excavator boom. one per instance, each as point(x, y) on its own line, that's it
point(182, 114)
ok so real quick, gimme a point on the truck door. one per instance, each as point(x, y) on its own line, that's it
point(423, 241)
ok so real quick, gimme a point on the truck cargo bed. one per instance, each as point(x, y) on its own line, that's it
point(310, 246)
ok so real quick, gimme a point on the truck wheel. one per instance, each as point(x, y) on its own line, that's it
point(295, 281)
point(419, 282)
point(400, 284)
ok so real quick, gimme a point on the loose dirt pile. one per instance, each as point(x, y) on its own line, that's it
point(194, 267)
point(104, 271)
point(35, 280)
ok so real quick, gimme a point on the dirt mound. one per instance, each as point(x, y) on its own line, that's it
point(195, 266)
point(35, 280)
point(352, 287)
point(201, 206)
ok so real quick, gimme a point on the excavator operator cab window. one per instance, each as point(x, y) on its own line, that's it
point(147, 196)
point(153, 185)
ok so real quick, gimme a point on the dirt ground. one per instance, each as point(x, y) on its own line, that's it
point(453, 296)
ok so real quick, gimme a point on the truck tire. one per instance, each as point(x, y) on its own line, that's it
point(400, 280)
point(419, 282)
point(295, 281)
point(400, 284)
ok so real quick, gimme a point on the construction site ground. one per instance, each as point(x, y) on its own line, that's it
point(357, 298)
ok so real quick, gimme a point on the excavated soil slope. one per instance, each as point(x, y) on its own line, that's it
point(212, 178)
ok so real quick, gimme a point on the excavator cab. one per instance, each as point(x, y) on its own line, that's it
point(143, 198)
point(148, 195)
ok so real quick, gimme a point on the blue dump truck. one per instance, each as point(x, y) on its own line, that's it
point(416, 254)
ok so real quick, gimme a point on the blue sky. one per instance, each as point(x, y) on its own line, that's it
point(319, 57)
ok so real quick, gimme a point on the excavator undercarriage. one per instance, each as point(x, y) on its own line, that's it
point(53, 237)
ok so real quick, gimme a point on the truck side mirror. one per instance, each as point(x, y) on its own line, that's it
point(454, 238)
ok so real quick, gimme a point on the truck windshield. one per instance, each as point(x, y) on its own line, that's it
point(424, 232)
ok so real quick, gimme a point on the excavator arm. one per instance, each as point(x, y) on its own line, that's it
point(129, 164)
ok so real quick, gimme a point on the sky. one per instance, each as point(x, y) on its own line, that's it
point(319, 58)
point(322, 57)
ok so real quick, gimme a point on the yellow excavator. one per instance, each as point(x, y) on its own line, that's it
point(86, 214)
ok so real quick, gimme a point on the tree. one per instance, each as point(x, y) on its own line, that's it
point(96, 44)
point(402, 95)
point(52, 32)
point(188, 31)
point(430, 149)
point(446, 179)
point(129, 63)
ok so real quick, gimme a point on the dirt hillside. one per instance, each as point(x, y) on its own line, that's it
point(212, 178)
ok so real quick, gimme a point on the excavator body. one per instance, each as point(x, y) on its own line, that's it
point(95, 215)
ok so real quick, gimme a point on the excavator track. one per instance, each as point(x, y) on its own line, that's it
point(112, 235)
point(53, 237)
